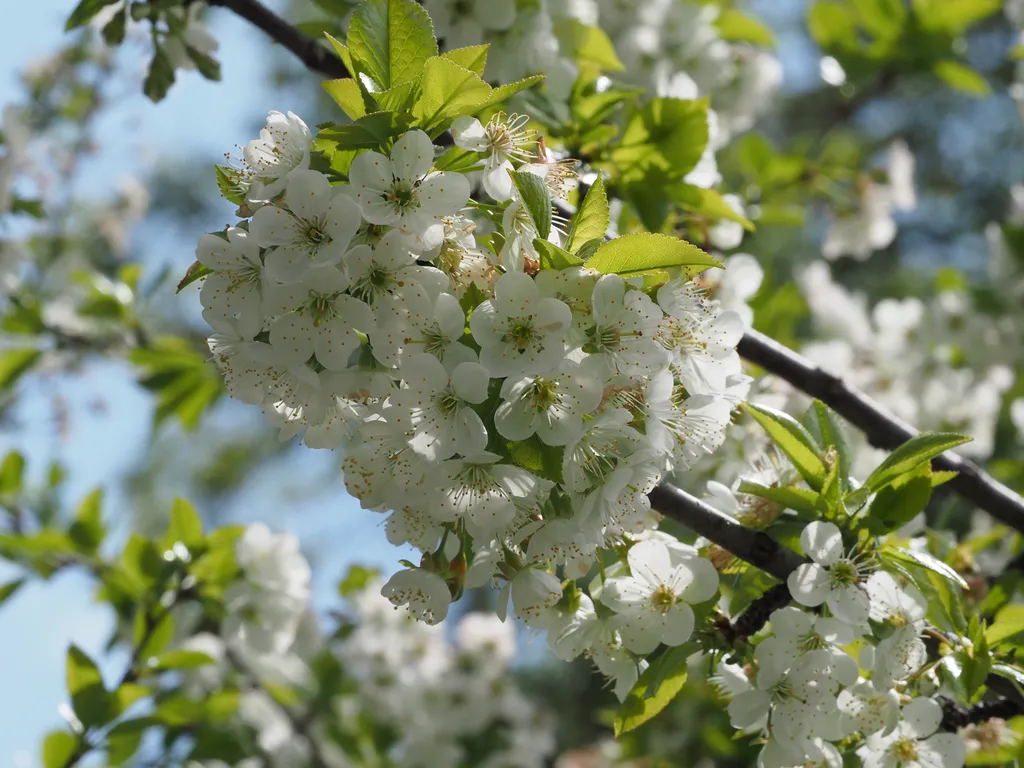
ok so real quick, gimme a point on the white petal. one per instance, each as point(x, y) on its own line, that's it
point(850, 604)
point(443, 194)
point(470, 380)
point(308, 194)
point(677, 624)
point(468, 133)
point(412, 156)
point(809, 584)
point(822, 542)
point(923, 716)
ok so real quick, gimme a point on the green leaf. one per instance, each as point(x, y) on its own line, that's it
point(87, 530)
point(895, 506)
point(706, 202)
point(8, 589)
point(398, 98)
point(657, 686)
point(185, 524)
point(356, 580)
point(15, 363)
point(637, 254)
point(1007, 626)
point(391, 41)
point(230, 184)
point(180, 659)
point(832, 25)
point(124, 739)
point(472, 57)
point(800, 500)
point(373, 131)
point(343, 53)
point(536, 196)
point(589, 248)
point(346, 94)
point(89, 699)
point(459, 160)
point(160, 76)
point(197, 271)
point(553, 257)
point(448, 92)
point(909, 456)
point(33, 208)
point(833, 435)
point(58, 747)
point(12, 472)
point(931, 563)
point(592, 219)
point(182, 378)
point(794, 441)
point(588, 45)
point(503, 93)
point(954, 16)
point(208, 66)
point(738, 27)
point(84, 11)
point(961, 77)
point(668, 134)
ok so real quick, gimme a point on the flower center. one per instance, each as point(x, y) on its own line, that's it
point(603, 339)
point(321, 307)
point(843, 574)
point(544, 393)
point(315, 235)
point(520, 332)
point(402, 195)
point(905, 750)
point(663, 599)
point(449, 402)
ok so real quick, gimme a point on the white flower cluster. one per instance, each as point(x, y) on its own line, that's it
point(669, 47)
point(508, 419)
point(806, 693)
point(402, 673)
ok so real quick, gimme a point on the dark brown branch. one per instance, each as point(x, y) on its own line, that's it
point(955, 717)
point(754, 547)
point(882, 429)
point(314, 55)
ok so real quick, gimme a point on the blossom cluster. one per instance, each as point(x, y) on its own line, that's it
point(400, 671)
point(509, 419)
point(806, 693)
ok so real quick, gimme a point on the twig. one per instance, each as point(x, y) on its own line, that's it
point(954, 716)
point(314, 55)
point(882, 429)
point(755, 547)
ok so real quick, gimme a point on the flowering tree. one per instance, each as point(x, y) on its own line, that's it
point(501, 282)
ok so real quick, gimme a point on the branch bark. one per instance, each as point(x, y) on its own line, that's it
point(314, 55)
point(882, 429)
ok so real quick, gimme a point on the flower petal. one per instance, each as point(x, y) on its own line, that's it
point(822, 542)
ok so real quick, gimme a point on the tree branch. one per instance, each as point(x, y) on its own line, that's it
point(754, 547)
point(314, 55)
point(881, 428)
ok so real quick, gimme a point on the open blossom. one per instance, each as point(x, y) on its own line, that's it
point(283, 146)
point(313, 231)
point(401, 192)
point(653, 601)
point(833, 578)
point(503, 140)
point(424, 592)
point(520, 332)
point(624, 335)
point(551, 406)
point(914, 742)
point(234, 289)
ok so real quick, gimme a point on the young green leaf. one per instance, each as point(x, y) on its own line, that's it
point(196, 272)
point(503, 93)
point(185, 525)
point(89, 699)
point(84, 11)
point(346, 94)
point(592, 219)
point(58, 747)
point(588, 46)
point(374, 131)
point(447, 92)
point(230, 184)
point(87, 530)
point(8, 589)
point(657, 686)
point(800, 500)
point(472, 57)
point(15, 363)
point(668, 134)
point(536, 196)
point(390, 40)
point(738, 27)
point(895, 506)
point(637, 254)
point(706, 202)
point(159, 76)
point(911, 455)
point(927, 561)
point(1008, 625)
point(832, 435)
point(794, 441)
point(553, 257)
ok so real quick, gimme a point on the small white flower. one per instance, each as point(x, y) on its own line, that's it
point(423, 591)
point(283, 146)
point(653, 601)
point(401, 192)
point(550, 406)
point(519, 332)
point(316, 316)
point(443, 421)
point(534, 594)
point(503, 139)
point(416, 323)
point(895, 604)
point(727, 234)
point(833, 578)
point(314, 230)
point(624, 335)
point(867, 709)
point(914, 743)
point(234, 288)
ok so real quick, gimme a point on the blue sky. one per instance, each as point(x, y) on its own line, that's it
point(198, 119)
